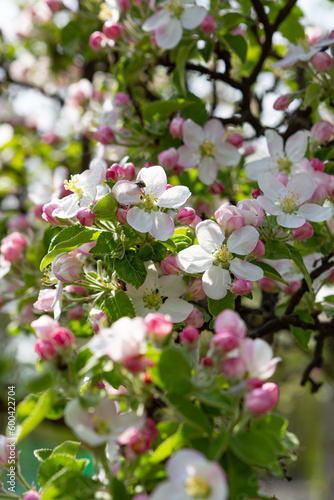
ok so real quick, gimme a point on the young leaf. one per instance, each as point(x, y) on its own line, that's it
point(131, 269)
point(105, 208)
point(270, 272)
point(298, 260)
point(36, 416)
point(118, 306)
point(217, 306)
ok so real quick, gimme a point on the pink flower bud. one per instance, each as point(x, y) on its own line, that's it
point(169, 265)
point(207, 362)
point(242, 287)
point(48, 209)
point(249, 150)
point(217, 188)
point(32, 495)
point(321, 61)
point(176, 127)
point(283, 178)
point(148, 164)
point(77, 289)
point(129, 171)
point(104, 134)
point(121, 214)
point(85, 216)
point(256, 193)
point(186, 216)
point(319, 194)
point(225, 341)
point(292, 288)
point(195, 318)
point(317, 165)
point(54, 6)
point(168, 158)
point(196, 289)
point(62, 337)
point(121, 99)
point(236, 140)
point(303, 233)
point(261, 401)
point(153, 39)
point(234, 368)
point(45, 349)
point(209, 25)
point(196, 221)
point(267, 285)
point(12, 247)
point(45, 300)
point(231, 321)
point(229, 218)
point(67, 268)
point(259, 250)
point(18, 222)
point(123, 5)
point(321, 131)
point(115, 173)
point(254, 383)
point(76, 313)
point(158, 324)
point(251, 211)
point(95, 41)
point(7, 451)
point(44, 327)
point(136, 364)
point(97, 319)
point(330, 188)
point(112, 30)
point(282, 103)
point(189, 335)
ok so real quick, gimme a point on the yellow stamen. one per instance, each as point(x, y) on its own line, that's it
point(197, 487)
point(208, 148)
point(100, 426)
point(73, 185)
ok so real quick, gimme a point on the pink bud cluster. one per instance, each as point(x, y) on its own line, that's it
point(51, 337)
point(12, 247)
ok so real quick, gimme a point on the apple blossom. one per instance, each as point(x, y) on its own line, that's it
point(303, 51)
point(242, 287)
point(229, 217)
point(32, 495)
point(112, 30)
point(191, 475)
point(45, 300)
point(288, 202)
point(44, 327)
point(46, 349)
point(282, 159)
point(12, 247)
point(216, 258)
point(258, 358)
point(186, 216)
point(203, 148)
point(95, 41)
point(168, 22)
point(67, 268)
point(321, 61)
point(97, 319)
point(252, 212)
point(282, 103)
point(158, 324)
point(261, 400)
point(195, 289)
point(169, 265)
point(168, 158)
point(189, 335)
point(230, 320)
point(85, 216)
point(195, 318)
point(217, 188)
point(321, 131)
point(146, 215)
point(160, 294)
point(303, 232)
point(176, 126)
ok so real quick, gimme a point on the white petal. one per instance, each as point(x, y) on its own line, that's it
point(168, 35)
point(169, 490)
point(193, 134)
point(303, 185)
point(177, 467)
point(245, 270)
point(194, 259)
point(174, 197)
point(270, 186)
point(155, 180)
point(290, 220)
point(160, 17)
point(172, 285)
point(126, 192)
point(178, 309)
point(315, 213)
point(256, 168)
point(214, 131)
point(242, 241)
point(67, 208)
point(209, 235)
point(189, 157)
point(275, 143)
point(216, 282)
point(227, 155)
point(139, 219)
point(192, 17)
point(162, 226)
point(296, 146)
point(207, 170)
point(268, 205)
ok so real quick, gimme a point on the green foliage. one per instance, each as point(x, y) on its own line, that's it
point(131, 269)
point(118, 305)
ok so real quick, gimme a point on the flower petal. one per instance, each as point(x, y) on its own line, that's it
point(158, 18)
point(178, 309)
point(193, 134)
point(302, 185)
point(192, 17)
point(268, 205)
point(155, 180)
point(256, 168)
point(168, 35)
point(275, 143)
point(270, 186)
point(227, 155)
point(139, 219)
point(174, 197)
point(216, 282)
point(296, 146)
point(209, 235)
point(126, 192)
point(172, 285)
point(162, 226)
point(168, 490)
point(245, 270)
point(290, 220)
point(314, 212)
point(194, 259)
point(214, 131)
point(189, 157)
point(242, 241)
point(67, 207)
point(207, 170)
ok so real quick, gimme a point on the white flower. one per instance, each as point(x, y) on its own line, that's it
point(160, 294)
point(84, 189)
point(146, 217)
point(111, 11)
point(303, 51)
point(282, 159)
point(288, 202)
point(203, 148)
point(4, 266)
point(95, 426)
point(258, 357)
point(191, 476)
point(215, 258)
point(125, 339)
point(169, 21)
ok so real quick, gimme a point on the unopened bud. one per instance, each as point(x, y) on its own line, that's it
point(303, 233)
point(242, 287)
point(209, 25)
point(321, 61)
point(176, 127)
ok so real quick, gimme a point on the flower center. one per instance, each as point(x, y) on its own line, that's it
point(197, 487)
point(284, 164)
point(208, 148)
point(175, 8)
point(289, 202)
point(105, 13)
point(304, 44)
point(152, 300)
point(73, 185)
point(149, 200)
point(223, 255)
point(100, 426)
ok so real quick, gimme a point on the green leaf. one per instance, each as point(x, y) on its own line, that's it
point(118, 490)
point(270, 272)
point(217, 306)
point(106, 244)
point(173, 371)
point(298, 260)
point(178, 440)
point(36, 416)
point(311, 95)
point(131, 269)
point(53, 464)
point(191, 413)
point(42, 454)
point(67, 240)
point(118, 306)
point(162, 109)
point(182, 57)
point(242, 481)
point(291, 27)
point(67, 448)
point(254, 449)
point(215, 399)
point(155, 251)
point(276, 250)
point(238, 45)
point(105, 208)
